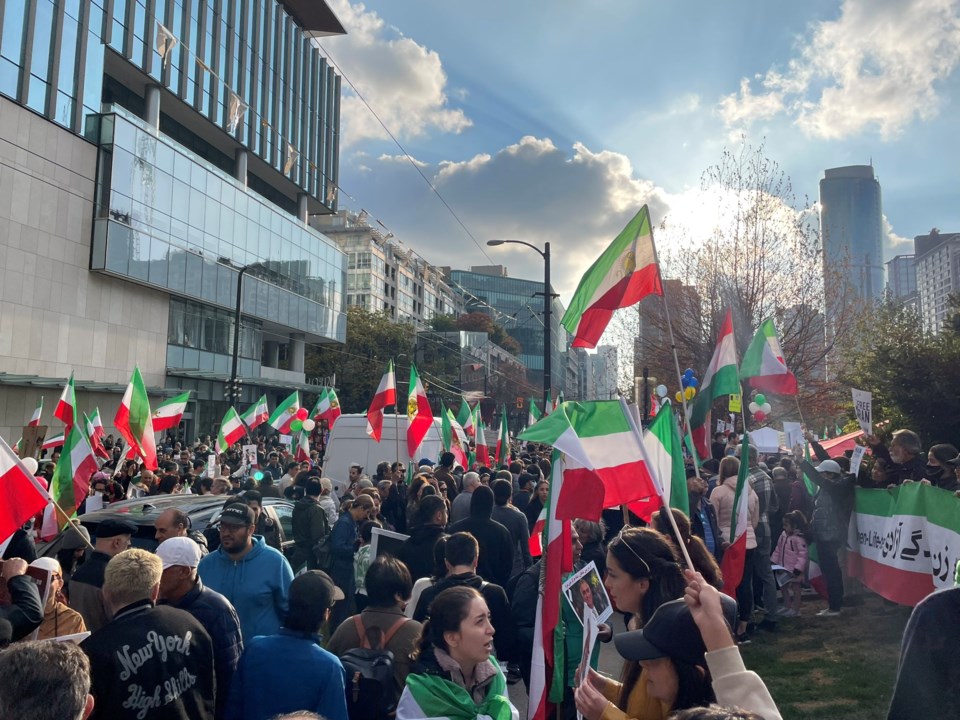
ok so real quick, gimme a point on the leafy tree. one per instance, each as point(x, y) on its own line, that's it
point(443, 323)
point(481, 322)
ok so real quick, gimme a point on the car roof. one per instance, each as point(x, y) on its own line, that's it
point(143, 511)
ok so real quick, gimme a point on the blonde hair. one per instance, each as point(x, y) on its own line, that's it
point(131, 576)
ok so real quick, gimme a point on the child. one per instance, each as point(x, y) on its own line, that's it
point(791, 553)
point(361, 562)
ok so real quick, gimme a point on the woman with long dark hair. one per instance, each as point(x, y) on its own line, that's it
point(703, 562)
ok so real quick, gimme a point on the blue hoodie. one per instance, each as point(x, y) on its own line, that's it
point(257, 585)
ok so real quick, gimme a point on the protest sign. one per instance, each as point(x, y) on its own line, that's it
point(385, 542)
point(793, 434)
point(585, 592)
point(250, 455)
point(863, 406)
point(736, 403)
point(856, 459)
point(211, 466)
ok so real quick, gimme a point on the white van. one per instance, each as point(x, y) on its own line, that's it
point(349, 443)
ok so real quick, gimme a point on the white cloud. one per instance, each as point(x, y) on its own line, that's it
point(894, 244)
point(877, 66)
point(403, 81)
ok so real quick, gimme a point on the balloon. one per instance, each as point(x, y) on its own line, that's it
point(694, 382)
point(689, 393)
point(308, 425)
point(688, 372)
point(302, 414)
point(30, 464)
point(662, 391)
point(760, 416)
point(679, 397)
point(296, 425)
point(759, 398)
point(765, 408)
point(754, 408)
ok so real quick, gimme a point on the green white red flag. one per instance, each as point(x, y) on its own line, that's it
point(169, 412)
point(71, 479)
point(763, 366)
point(330, 407)
point(465, 418)
point(302, 452)
point(534, 414)
point(97, 423)
point(94, 439)
point(231, 431)
point(721, 378)
point(605, 462)
point(38, 411)
point(482, 451)
point(622, 276)
point(21, 495)
point(548, 405)
point(285, 413)
point(386, 395)
point(66, 410)
point(454, 439)
point(419, 414)
point(134, 421)
point(665, 453)
point(256, 414)
point(53, 441)
point(503, 439)
point(735, 555)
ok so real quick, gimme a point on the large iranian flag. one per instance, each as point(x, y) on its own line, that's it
point(386, 395)
point(231, 431)
point(21, 495)
point(168, 413)
point(285, 413)
point(721, 378)
point(665, 453)
point(256, 414)
point(763, 366)
point(330, 408)
point(465, 417)
point(454, 439)
point(135, 422)
point(606, 463)
point(419, 414)
point(71, 479)
point(622, 276)
point(735, 555)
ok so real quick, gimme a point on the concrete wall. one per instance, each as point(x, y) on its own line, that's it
point(57, 317)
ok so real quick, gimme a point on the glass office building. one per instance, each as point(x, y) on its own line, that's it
point(214, 126)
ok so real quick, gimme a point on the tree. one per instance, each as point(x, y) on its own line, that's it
point(481, 322)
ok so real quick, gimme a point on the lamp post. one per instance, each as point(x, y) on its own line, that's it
point(233, 387)
point(547, 298)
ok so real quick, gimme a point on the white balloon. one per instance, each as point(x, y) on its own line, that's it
point(31, 465)
point(766, 408)
point(309, 425)
point(754, 407)
point(662, 391)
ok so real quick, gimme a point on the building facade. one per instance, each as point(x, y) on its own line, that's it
point(153, 153)
point(383, 276)
point(938, 277)
point(851, 226)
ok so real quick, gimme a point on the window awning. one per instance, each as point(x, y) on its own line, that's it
point(85, 385)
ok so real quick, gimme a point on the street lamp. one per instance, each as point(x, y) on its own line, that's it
point(233, 387)
point(547, 297)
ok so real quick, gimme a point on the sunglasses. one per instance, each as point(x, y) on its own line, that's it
point(620, 539)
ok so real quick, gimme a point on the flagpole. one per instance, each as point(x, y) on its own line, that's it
point(60, 510)
point(396, 413)
point(676, 362)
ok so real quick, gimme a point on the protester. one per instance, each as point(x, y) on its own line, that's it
point(40, 680)
point(460, 508)
point(905, 456)
point(765, 587)
point(74, 541)
point(703, 516)
point(361, 563)
point(85, 588)
point(416, 552)
point(454, 676)
point(25, 612)
point(496, 556)
point(251, 575)
point(264, 685)
point(382, 624)
point(327, 501)
point(591, 538)
point(830, 518)
point(439, 572)
point(791, 554)
point(310, 529)
point(133, 678)
point(703, 561)
point(58, 618)
point(537, 503)
point(172, 522)
point(939, 471)
point(516, 524)
point(181, 588)
point(344, 540)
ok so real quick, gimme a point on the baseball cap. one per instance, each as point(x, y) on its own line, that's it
point(49, 564)
point(237, 514)
point(424, 461)
point(180, 551)
point(112, 528)
point(829, 466)
point(671, 632)
point(313, 587)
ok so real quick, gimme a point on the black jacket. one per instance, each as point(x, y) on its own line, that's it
point(86, 593)
point(151, 663)
point(394, 508)
point(310, 526)
point(219, 619)
point(495, 562)
point(25, 611)
point(20, 546)
point(501, 617)
point(523, 600)
point(417, 550)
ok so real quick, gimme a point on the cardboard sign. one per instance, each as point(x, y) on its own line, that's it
point(385, 542)
point(31, 439)
point(250, 455)
point(286, 440)
point(736, 403)
point(857, 458)
point(863, 407)
point(211, 466)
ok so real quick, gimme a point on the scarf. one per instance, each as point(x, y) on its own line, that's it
point(430, 696)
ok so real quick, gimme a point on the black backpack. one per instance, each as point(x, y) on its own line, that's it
point(371, 688)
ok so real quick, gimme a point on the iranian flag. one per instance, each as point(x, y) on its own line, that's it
point(503, 439)
point(454, 439)
point(547, 676)
point(21, 495)
point(720, 379)
point(665, 453)
point(285, 413)
point(430, 697)
point(763, 366)
point(134, 421)
point(66, 410)
point(622, 276)
point(465, 418)
point(38, 411)
point(330, 410)
point(483, 452)
point(734, 556)
point(386, 395)
point(257, 414)
point(548, 405)
point(605, 462)
point(71, 479)
point(302, 453)
point(231, 431)
point(168, 413)
point(53, 441)
point(419, 414)
point(97, 423)
point(94, 439)
point(534, 414)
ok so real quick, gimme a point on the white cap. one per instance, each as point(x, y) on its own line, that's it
point(180, 551)
point(830, 466)
point(47, 563)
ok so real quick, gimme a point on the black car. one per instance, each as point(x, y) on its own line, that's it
point(203, 511)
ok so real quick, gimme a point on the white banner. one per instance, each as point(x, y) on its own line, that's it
point(863, 406)
point(856, 459)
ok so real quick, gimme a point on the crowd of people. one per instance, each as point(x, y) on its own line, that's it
point(226, 624)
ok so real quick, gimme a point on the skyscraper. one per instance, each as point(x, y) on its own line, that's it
point(851, 226)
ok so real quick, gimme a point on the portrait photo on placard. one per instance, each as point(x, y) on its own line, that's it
point(585, 593)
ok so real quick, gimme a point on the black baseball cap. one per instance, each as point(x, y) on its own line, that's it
point(237, 514)
point(313, 587)
point(671, 632)
point(113, 528)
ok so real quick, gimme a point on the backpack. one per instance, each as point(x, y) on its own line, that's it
point(371, 689)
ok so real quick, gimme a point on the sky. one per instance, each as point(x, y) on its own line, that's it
point(556, 121)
